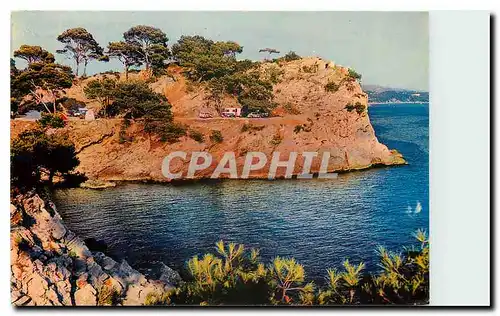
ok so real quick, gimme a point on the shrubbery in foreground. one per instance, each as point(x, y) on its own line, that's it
point(236, 276)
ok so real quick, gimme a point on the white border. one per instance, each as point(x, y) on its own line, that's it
point(459, 158)
point(459, 146)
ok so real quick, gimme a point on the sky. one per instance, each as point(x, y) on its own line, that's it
point(388, 48)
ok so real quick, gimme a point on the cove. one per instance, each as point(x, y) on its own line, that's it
point(318, 222)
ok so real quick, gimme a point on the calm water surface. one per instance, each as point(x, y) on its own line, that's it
point(318, 222)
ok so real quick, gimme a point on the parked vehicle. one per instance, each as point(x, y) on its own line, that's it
point(204, 115)
point(228, 114)
point(257, 115)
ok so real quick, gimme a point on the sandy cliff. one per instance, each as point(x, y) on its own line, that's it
point(325, 126)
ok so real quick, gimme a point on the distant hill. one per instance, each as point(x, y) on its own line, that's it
point(379, 94)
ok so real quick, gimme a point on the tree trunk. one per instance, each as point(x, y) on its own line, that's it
point(77, 66)
point(147, 61)
point(85, 68)
point(126, 72)
point(54, 96)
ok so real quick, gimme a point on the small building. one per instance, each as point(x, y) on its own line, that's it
point(231, 112)
point(89, 115)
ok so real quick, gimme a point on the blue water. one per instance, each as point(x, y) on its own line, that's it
point(318, 222)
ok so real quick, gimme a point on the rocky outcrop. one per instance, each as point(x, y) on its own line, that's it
point(308, 118)
point(50, 265)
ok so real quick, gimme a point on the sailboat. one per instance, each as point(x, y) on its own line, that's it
point(418, 208)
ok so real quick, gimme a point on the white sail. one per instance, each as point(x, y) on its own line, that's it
point(418, 208)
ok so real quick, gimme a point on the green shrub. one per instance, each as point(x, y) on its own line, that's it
point(235, 275)
point(354, 75)
point(332, 87)
point(360, 108)
point(310, 69)
point(108, 296)
point(122, 135)
point(34, 153)
point(276, 140)
point(154, 298)
point(216, 136)
point(290, 108)
point(101, 90)
point(197, 136)
point(272, 74)
point(303, 127)
point(51, 120)
point(167, 131)
point(291, 55)
point(251, 128)
point(298, 128)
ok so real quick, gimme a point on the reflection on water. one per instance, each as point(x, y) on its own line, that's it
point(319, 222)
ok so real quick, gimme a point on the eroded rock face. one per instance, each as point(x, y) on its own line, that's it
point(51, 266)
point(309, 118)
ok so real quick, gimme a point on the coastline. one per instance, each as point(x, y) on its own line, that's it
point(113, 181)
point(51, 265)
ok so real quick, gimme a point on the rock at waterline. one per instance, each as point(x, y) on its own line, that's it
point(97, 184)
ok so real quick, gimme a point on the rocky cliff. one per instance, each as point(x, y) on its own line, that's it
point(50, 265)
point(308, 118)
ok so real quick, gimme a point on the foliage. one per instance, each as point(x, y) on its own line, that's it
point(51, 120)
point(216, 136)
point(149, 45)
point(126, 53)
point(39, 78)
point(16, 94)
point(298, 128)
point(276, 140)
point(167, 131)
point(81, 46)
point(205, 59)
point(122, 135)
point(359, 107)
point(197, 136)
point(290, 108)
point(254, 93)
point(310, 69)
point(251, 128)
point(134, 99)
point(108, 296)
point(235, 275)
point(154, 298)
point(272, 74)
point(101, 90)
point(71, 104)
point(215, 63)
point(34, 54)
point(290, 56)
point(34, 152)
point(332, 87)
point(286, 280)
point(354, 75)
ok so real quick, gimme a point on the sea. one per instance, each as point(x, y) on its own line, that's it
point(319, 222)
